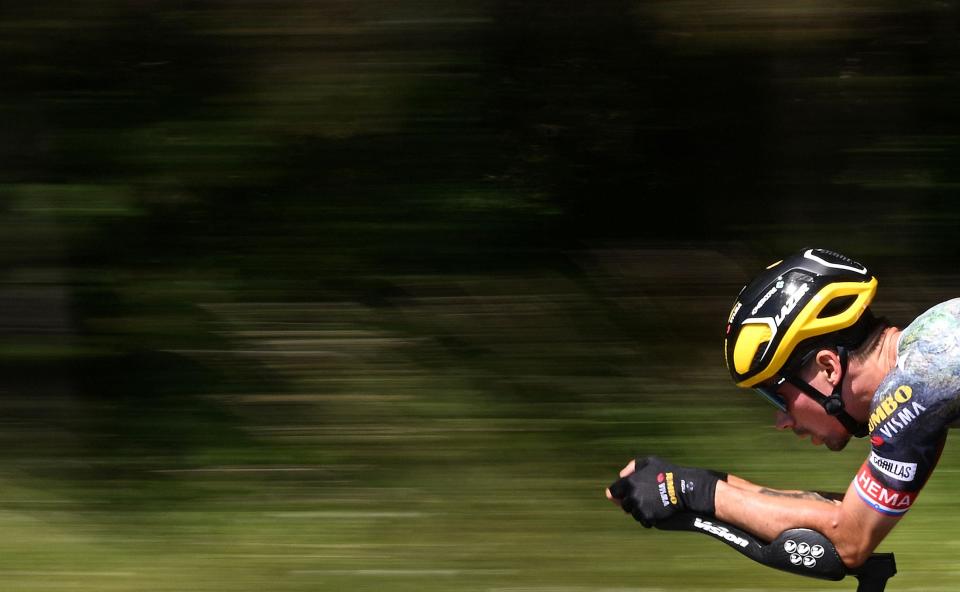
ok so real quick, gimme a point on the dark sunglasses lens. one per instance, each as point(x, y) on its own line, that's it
point(771, 395)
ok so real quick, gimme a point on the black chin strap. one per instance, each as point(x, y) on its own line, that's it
point(833, 404)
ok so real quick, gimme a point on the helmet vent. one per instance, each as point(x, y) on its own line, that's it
point(837, 306)
point(758, 357)
point(750, 346)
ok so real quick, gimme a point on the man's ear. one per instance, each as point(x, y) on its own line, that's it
point(828, 361)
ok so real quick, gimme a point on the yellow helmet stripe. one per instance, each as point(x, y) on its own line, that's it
point(752, 337)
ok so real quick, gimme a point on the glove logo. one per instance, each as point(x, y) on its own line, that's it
point(790, 546)
point(667, 489)
point(662, 489)
point(671, 489)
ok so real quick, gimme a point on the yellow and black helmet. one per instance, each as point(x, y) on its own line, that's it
point(814, 298)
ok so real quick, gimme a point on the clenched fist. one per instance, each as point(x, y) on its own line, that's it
point(652, 489)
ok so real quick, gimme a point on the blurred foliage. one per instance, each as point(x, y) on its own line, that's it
point(326, 295)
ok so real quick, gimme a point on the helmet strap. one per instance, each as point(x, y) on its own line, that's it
point(833, 404)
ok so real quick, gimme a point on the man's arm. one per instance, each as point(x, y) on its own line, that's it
point(850, 523)
point(741, 483)
point(853, 527)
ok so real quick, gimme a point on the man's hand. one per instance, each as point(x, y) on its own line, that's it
point(652, 489)
point(624, 472)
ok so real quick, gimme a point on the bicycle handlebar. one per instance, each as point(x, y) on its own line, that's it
point(799, 551)
point(874, 573)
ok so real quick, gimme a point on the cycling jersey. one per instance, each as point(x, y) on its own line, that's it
point(911, 411)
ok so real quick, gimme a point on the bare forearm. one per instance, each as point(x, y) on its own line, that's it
point(767, 512)
point(851, 525)
point(741, 483)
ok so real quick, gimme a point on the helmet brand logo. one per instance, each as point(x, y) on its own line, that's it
point(848, 263)
point(763, 300)
point(733, 313)
point(791, 303)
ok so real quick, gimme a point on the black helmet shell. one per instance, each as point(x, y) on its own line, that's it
point(810, 294)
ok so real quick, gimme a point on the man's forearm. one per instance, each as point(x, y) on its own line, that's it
point(767, 512)
point(851, 525)
point(854, 526)
point(741, 483)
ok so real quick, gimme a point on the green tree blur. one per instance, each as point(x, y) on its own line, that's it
point(379, 296)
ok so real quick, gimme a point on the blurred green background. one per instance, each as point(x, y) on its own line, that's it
point(363, 295)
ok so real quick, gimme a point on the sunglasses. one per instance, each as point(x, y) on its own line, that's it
point(769, 392)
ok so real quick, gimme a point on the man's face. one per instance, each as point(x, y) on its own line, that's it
point(806, 417)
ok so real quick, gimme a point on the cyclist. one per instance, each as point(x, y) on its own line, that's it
point(802, 335)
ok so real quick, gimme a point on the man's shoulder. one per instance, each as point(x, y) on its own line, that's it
point(936, 331)
point(927, 373)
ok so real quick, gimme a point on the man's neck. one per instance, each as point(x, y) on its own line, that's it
point(867, 374)
point(887, 352)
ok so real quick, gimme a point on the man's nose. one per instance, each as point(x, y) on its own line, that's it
point(784, 420)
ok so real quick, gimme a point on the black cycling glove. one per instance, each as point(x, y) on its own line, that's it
point(657, 490)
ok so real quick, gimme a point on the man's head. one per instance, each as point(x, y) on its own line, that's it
point(804, 414)
point(789, 320)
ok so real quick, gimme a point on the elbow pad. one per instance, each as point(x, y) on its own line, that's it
point(800, 551)
point(805, 552)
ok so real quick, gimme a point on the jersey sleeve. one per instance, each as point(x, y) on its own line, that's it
point(911, 412)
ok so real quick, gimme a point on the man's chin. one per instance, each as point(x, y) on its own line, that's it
point(836, 445)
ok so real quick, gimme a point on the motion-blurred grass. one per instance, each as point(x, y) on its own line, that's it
point(459, 439)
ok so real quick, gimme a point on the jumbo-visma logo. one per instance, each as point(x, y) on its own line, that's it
point(667, 490)
point(895, 412)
